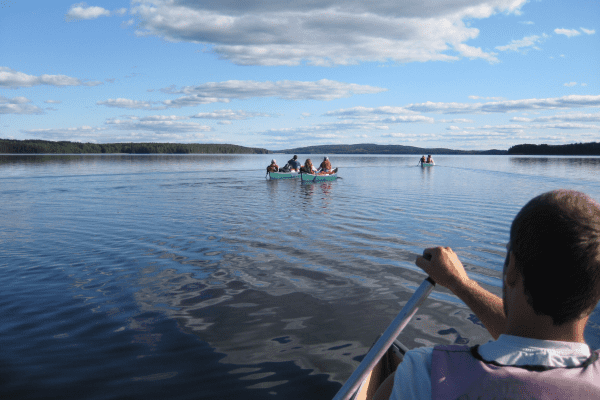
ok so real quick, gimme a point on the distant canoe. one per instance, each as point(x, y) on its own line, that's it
point(283, 175)
point(427, 164)
point(318, 178)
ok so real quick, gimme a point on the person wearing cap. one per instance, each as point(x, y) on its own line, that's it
point(325, 167)
point(294, 164)
point(273, 167)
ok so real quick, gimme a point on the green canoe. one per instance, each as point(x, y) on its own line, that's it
point(283, 175)
point(318, 178)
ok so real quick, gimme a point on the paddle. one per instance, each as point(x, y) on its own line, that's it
point(385, 341)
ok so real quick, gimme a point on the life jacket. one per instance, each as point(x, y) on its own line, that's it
point(325, 165)
point(459, 372)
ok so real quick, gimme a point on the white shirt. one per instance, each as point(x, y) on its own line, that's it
point(413, 376)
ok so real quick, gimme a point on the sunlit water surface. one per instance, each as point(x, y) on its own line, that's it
point(187, 277)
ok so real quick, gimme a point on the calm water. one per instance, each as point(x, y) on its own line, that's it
point(184, 277)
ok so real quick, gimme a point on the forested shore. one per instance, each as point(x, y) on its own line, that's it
point(574, 149)
point(8, 146)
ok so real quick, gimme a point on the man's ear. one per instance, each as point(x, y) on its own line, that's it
point(511, 275)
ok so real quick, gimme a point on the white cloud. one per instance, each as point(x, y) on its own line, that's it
point(229, 115)
point(570, 117)
point(18, 105)
point(588, 31)
point(52, 101)
point(485, 98)
point(456, 121)
point(324, 33)
point(224, 92)
point(570, 84)
point(572, 101)
point(127, 103)
point(523, 44)
point(381, 115)
point(82, 11)
point(323, 89)
point(158, 124)
point(71, 134)
point(15, 79)
point(567, 32)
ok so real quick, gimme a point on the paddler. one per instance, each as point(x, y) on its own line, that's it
point(294, 164)
point(429, 159)
point(325, 167)
point(422, 160)
point(551, 284)
point(308, 167)
point(273, 167)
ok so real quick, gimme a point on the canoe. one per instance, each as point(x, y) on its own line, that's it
point(283, 175)
point(427, 164)
point(318, 178)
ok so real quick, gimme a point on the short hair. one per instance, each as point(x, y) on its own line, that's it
point(555, 240)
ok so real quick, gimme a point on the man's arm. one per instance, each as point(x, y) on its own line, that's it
point(446, 269)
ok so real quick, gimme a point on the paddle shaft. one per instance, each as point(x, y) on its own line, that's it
point(385, 341)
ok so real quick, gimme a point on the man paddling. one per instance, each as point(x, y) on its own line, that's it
point(551, 284)
point(294, 164)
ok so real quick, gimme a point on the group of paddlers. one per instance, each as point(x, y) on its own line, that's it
point(428, 160)
point(294, 165)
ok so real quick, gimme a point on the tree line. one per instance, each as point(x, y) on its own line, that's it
point(8, 146)
point(574, 149)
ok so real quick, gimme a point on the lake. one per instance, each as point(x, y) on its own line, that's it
point(192, 276)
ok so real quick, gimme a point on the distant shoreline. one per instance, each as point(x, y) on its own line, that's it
point(9, 146)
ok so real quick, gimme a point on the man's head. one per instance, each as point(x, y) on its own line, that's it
point(555, 241)
point(295, 157)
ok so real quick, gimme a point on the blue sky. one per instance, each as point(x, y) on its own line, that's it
point(461, 74)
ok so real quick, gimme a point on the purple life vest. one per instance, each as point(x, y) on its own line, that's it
point(459, 372)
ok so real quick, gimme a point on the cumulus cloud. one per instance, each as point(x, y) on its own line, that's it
point(382, 115)
point(15, 79)
point(337, 128)
point(229, 115)
point(18, 105)
point(588, 31)
point(567, 32)
point(128, 104)
point(485, 98)
point(83, 11)
point(570, 117)
point(323, 89)
point(572, 101)
point(72, 134)
point(324, 33)
point(52, 101)
point(157, 124)
point(224, 92)
point(570, 84)
point(524, 44)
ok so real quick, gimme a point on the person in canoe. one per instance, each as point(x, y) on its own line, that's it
point(429, 160)
point(308, 167)
point(422, 160)
point(273, 167)
point(294, 164)
point(325, 167)
point(550, 286)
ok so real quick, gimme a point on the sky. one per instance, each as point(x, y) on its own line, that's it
point(277, 74)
